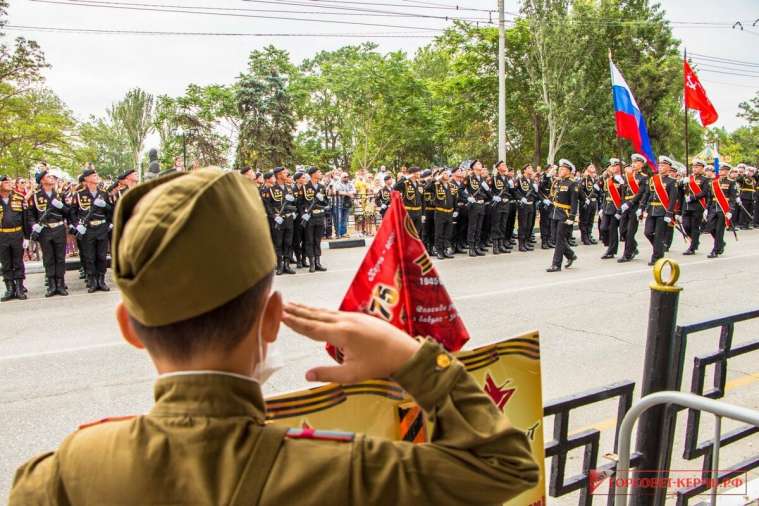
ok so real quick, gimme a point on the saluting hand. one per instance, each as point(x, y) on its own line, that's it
point(372, 348)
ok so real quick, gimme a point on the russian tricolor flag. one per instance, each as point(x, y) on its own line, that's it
point(630, 122)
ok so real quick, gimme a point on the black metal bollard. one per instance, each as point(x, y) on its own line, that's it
point(655, 427)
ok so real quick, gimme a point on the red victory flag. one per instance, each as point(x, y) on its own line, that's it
point(398, 283)
point(695, 96)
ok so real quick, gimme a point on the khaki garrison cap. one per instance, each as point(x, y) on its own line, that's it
point(187, 243)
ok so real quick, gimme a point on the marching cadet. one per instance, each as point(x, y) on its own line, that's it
point(695, 193)
point(206, 439)
point(526, 194)
point(635, 189)
point(301, 259)
point(444, 198)
point(14, 239)
point(46, 215)
point(614, 189)
point(91, 211)
point(314, 204)
point(745, 202)
point(428, 218)
point(724, 193)
point(588, 204)
point(500, 209)
point(478, 193)
point(511, 220)
point(545, 190)
point(460, 215)
point(382, 197)
point(281, 209)
point(657, 203)
point(412, 194)
point(564, 213)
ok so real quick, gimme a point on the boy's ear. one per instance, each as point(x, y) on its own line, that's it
point(127, 330)
point(271, 317)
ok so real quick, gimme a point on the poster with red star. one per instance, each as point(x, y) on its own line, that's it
point(508, 371)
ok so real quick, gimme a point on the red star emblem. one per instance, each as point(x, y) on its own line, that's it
point(499, 394)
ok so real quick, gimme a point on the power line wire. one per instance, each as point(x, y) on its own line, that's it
point(729, 61)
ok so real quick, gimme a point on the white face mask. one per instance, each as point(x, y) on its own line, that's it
point(269, 360)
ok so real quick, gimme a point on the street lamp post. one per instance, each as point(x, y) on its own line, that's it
point(181, 132)
point(501, 82)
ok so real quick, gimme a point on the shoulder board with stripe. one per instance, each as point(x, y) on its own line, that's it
point(106, 420)
point(320, 435)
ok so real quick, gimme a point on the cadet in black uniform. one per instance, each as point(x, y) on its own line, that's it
point(695, 193)
point(526, 194)
point(744, 209)
point(614, 184)
point(298, 231)
point(444, 197)
point(428, 218)
point(659, 217)
point(545, 189)
point(314, 205)
point(281, 208)
point(46, 215)
point(412, 194)
point(382, 197)
point(460, 217)
point(478, 193)
point(500, 209)
point(14, 238)
point(564, 212)
point(91, 211)
point(720, 218)
point(588, 204)
point(631, 207)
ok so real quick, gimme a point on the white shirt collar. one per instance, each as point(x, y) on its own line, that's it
point(198, 373)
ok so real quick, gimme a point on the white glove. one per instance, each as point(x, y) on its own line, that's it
point(625, 207)
point(570, 222)
point(511, 183)
point(81, 229)
point(667, 219)
point(25, 243)
point(36, 228)
point(678, 218)
point(320, 196)
point(57, 203)
point(470, 200)
point(455, 214)
point(684, 180)
point(596, 187)
point(706, 214)
point(638, 213)
point(485, 186)
point(99, 202)
point(279, 220)
point(587, 202)
point(523, 200)
point(546, 202)
point(689, 198)
point(535, 185)
point(110, 226)
point(619, 179)
point(383, 207)
point(289, 198)
point(306, 217)
point(739, 201)
point(496, 199)
point(729, 216)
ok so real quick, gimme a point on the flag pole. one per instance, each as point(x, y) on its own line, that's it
point(619, 141)
point(685, 108)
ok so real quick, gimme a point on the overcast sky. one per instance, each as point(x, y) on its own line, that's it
point(91, 71)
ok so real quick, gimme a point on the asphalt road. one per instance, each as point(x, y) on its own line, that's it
point(62, 361)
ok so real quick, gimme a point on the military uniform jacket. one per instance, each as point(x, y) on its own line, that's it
point(382, 197)
point(314, 200)
point(746, 185)
point(42, 211)
point(524, 189)
point(730, 189)
point(565, 200)
point(280, 201)
point(85, 212)
point(631, 198)
point(412, 195)
point(651, 202)
point(205, 429)
point(476, 190)
point(587, 190)
point(544, 187)
point(429, 200)
point(445, 197)
point(14, 214)
point(694, 202)
point(501, 188)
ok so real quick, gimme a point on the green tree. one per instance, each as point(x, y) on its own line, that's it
point(750, 110)
point(105, 144)
point(134, 116)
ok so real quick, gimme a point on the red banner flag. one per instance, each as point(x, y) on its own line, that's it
point(398, 283)
point(695, 96)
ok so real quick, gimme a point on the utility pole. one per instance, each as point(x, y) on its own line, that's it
point(501, 82)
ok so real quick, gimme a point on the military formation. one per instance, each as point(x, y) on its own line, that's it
point(470, 210)
point(51, 214)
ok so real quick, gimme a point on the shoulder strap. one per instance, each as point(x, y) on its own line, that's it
point(259, 465)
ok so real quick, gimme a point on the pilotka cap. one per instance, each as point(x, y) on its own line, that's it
point(187, 243)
